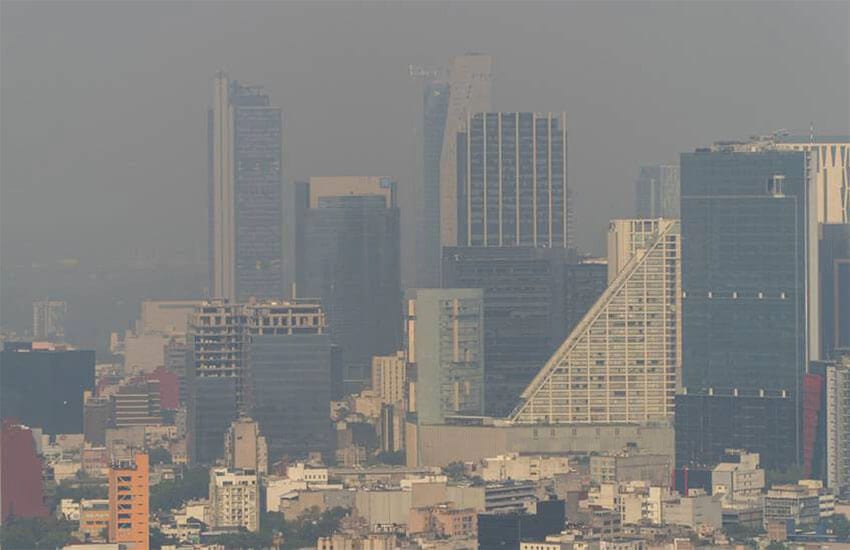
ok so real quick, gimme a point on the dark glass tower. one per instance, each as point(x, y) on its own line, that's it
point(834, 257)
point(349, 243)
point(746, 231)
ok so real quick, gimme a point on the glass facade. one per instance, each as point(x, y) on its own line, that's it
point(657, 192)
point(512, 181)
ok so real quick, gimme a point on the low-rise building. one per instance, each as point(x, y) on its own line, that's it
point(444, 520)
point(351, 541)
point(510, 496)
point(630, 465)
point(523, 467)
point(697, 511)
point(798, 503)
point(94, 519)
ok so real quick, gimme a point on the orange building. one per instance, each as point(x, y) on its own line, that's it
point(128, 503)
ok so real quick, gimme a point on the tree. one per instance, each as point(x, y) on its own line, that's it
point(839, 525)
point(171, 494)
point(792, 474)
point(455, 470)
point(159, 455)
point(78, 491)
point(158, 538)
point(310, 525)
point(35, 533)
point(775, 545)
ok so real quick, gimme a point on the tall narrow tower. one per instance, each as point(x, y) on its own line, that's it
point(245, 193)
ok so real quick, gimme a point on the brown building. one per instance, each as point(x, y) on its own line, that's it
point(129, 503)
point(444, 520)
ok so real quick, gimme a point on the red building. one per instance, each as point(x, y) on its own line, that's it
point(21, 493)
point(169, 388)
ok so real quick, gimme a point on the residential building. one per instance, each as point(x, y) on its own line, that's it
point(621, 363)
point(838, 426)
point(631, 465)
point(129, 497)
point(523, 467)
point(43, 385)
point(445, 349)
point(234, 499)
point(738, 479)
point(710, 422)
point(657, 192)
point(525, 308)
point(470, 79)
point(20, 474)
point(749, 234)
point(797, 503)
point(48, 320)
point(94, 518)
point(349, 259)
point(246, 241)
point(389, 378)
point(512, 180)
point(245, 448)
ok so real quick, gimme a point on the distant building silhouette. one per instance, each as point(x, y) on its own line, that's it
point(657, 192)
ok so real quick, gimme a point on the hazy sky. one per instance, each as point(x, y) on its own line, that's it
point(103, 104)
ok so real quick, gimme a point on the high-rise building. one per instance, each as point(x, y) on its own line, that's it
point(48, 320)
point(389, 377)
point(470, 78)
point(524, 311)
point(838, 425)
point(245, 193)
point(586, 281)
point(245, 448)
point(97, 415)
point(129, 497)
point(349, 245)
point(512, 180)
point(434, 110)
point(271, 360)
point(657, 192)
point(831, 161)
point(834, 257)
point(621, 363)
point(215, 376)
point(20, 474)
point(749, 253)
point(710, 422)
point(43, 385)
point(445, 350)
point(234, 499)
point(291, 359)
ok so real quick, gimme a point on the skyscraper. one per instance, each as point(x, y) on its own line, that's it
point(525, 311)
point(749, 240)
point(657, 192)
point(245, 193)
point(48, 320)
point(349, 246)
point(838, 425)
point(469, 92)
point(445, 350)
point(622, 362)
point(834, 257)
point(512, 181)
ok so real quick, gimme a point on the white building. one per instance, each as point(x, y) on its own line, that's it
point(234, 499)
point(738, 482)
point(622, 361)
point(516, 466)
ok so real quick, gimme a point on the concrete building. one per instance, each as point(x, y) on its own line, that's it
point(20, 474)
point(631, 465)
point(738, 479)
point(438, 445)
point(129, 497)
point(389, 378)
point(246, 240)
point(838, 426)
point(445, 348)
point(695, 511)
point(137, 404)
point(512, 180)
point(797, 503)
point(526, 304)
point(749, 234)
point(97, 417)
point(657, 192)
point(234, 499)
point(523, 467)
point(510, 496)
point(43, 385)
point(621, 363)
point(469, 92)
point(94, 518)
point(348, 244)
point(586, 281)
point(443, 520)
point(48, 320)
point(245, 448)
